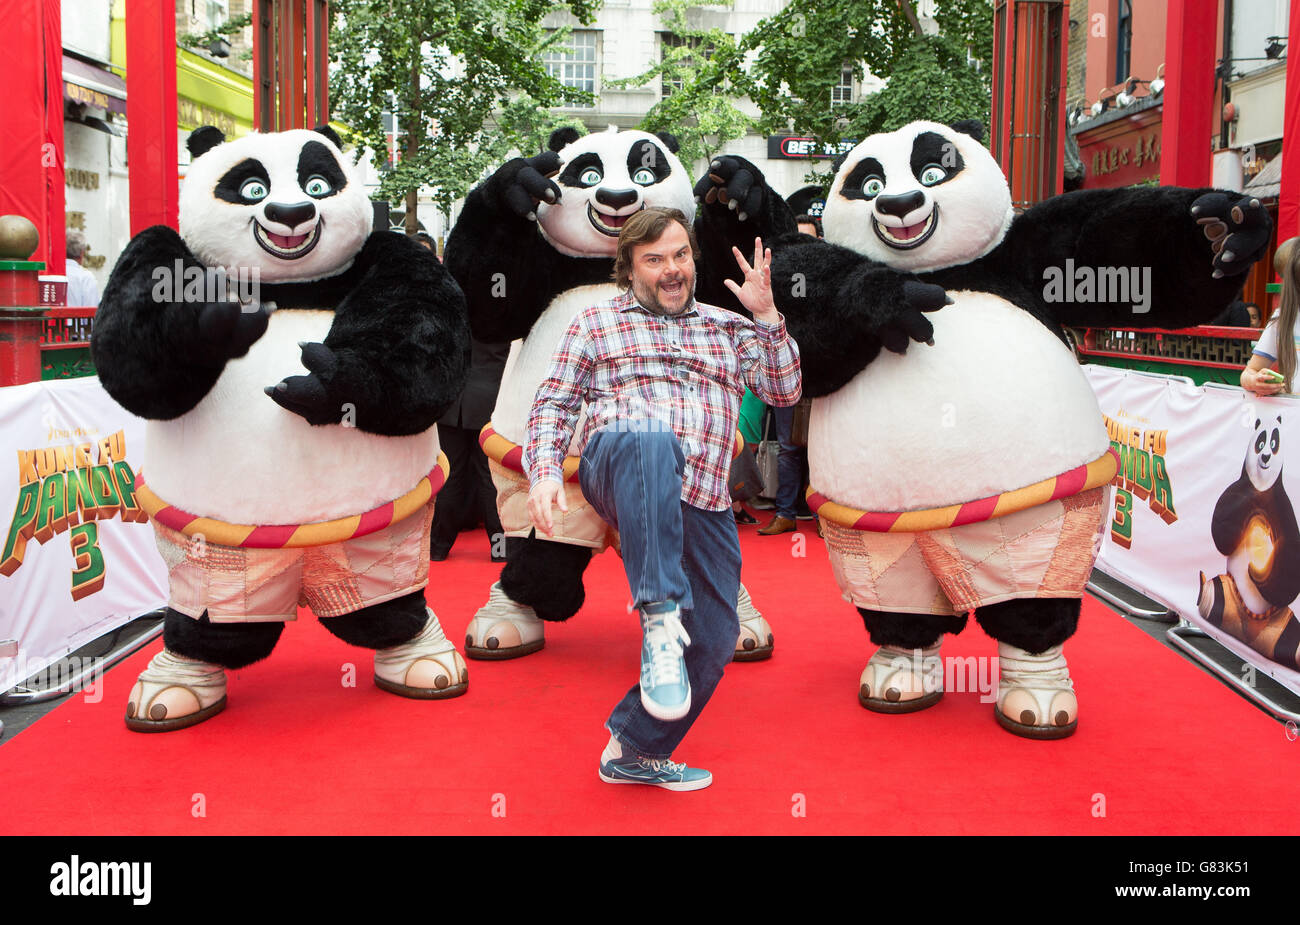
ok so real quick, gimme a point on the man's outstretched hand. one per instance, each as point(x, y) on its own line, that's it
point(756, 293)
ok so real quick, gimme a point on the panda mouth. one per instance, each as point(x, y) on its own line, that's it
point(607, 224)
point(287, 246)
point(906, 237)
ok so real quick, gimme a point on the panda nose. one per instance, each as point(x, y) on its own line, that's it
point(292, 215)
point(901, 204)
point(616, 198)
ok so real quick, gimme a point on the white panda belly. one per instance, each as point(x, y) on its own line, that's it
point(530, 358)
point(996, 404)
point(240, 457)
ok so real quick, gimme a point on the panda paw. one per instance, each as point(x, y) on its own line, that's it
point(522, 183)
point(307, 396)
point(1238, 228)
point(909, 323)
point(732, 183)
point(228, 329)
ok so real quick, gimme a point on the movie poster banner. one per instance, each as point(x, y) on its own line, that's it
point(78, 556)
point(1202, 519)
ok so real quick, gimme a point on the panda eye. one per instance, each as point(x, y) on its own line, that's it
point(318, 186)
point(644, 177)
point(873, 186)
point(590, 177)
point(1275, 441)
point(933, 174)
point(1259, 442)
point(253, 191)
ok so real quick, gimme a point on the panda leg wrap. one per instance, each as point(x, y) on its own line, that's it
point(906, 673)
point(185, 683)
point(424, 665)
point(1035, 693)
point(755, 640)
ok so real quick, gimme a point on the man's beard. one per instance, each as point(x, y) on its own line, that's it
point(648, 298)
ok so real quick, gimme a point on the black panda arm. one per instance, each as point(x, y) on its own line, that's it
point(397, 354)
point(1145, 230)
point(842, 308)
point(1282, 584)
point(507, 270)
point(157, 354)
point(732, 188)
point(1231, 512)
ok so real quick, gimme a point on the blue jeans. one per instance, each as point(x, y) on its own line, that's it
point(671, 551)
point(789, 465)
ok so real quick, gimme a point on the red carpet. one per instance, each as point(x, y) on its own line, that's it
point(1161, 746)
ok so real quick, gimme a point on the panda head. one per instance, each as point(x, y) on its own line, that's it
point(922, 198)
point(287, 203)
point(1264, 456)
point(604, 178)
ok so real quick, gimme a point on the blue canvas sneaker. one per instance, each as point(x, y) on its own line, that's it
point(665, 688)
point(620, 766)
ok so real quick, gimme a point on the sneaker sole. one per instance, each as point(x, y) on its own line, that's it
point(422, 693)
point(878, 705)
point(679, 786)
point(1033, 732)
point(136, 724)
point(662, 713)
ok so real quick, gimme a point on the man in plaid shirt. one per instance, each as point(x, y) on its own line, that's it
point(662, 377)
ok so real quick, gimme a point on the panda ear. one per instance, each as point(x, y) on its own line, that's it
point(562, 137)
point(972, 127)
point(203, 139)
point(670, 141)
point(330, 134)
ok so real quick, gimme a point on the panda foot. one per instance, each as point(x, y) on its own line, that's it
point(899, 680)
point(503, 629)
point(1035, 694)
point(174, 692)
point(427, 667)
point(755, 640)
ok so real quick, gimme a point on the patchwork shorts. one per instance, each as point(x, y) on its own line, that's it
point(580, 526)
point(1043, 551)
point(241, 585)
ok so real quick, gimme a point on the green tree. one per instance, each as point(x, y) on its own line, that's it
point(442, 67)
point(704, 67)
point(800, 53)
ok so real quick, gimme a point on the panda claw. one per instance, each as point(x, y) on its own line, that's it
point(742, 215)
point(531, 216)
point(1217, 274)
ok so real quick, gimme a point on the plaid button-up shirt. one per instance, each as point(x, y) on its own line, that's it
point(685, 372)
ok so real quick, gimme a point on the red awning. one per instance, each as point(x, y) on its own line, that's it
point(93, 85)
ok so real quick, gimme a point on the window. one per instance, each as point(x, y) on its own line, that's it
point(667, 41)
point(572, 61)
point(842, 92)
point(1124, 40)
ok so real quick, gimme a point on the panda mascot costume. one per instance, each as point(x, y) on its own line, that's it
point(1254, 527)
point(965, 467)
point(291, 456)
point(530, 253)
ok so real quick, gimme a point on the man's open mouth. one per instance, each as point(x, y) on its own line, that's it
point(608, 224)
point(906, 237)
point(286, 246)
point(674, 288)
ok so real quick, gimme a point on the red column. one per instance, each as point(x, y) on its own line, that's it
point(1189, 93)
point(56, 237)
point(151, 109)
point(1288, 211)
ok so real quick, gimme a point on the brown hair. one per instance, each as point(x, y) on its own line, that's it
point(1286, 261)
point(646, 227)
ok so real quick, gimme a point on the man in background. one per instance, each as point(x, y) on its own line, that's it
point(83, 291)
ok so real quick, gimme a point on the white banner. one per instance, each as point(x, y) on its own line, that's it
point(78, 556)
point(1202, 520)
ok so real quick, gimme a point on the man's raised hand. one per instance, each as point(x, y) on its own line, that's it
point(756, 293)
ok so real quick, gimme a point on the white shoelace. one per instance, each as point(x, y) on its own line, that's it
point(666, 637)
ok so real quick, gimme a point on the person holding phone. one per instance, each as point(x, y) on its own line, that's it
point(1259, 376)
